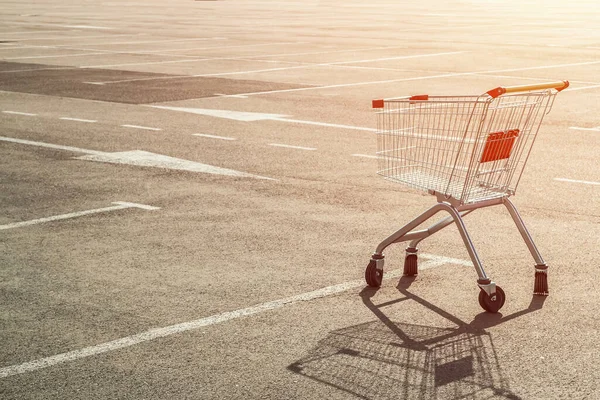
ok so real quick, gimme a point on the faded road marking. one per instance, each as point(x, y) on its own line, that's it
point(91, 121)
point(577, 181)
point(119, 205)
point(19, 113)
point(213, 136)
point(287, 146)
point(156, 333)
point(146, 128)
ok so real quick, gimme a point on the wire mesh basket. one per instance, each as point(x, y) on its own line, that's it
point(470, 148)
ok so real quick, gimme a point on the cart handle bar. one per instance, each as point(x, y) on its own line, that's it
point(499, 91)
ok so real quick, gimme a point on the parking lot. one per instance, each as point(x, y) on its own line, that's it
point(189, 201)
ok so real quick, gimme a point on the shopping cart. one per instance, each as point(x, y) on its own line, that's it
point(468, 151)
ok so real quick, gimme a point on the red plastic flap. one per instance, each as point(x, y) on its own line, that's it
point(499, 145)
point(423, 97)
point(378, 103)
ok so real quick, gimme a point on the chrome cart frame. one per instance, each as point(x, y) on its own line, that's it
point(469, 152)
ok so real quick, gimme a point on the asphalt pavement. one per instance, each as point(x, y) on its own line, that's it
point(189, 202)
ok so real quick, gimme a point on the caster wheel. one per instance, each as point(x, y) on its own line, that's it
point(489, 305)
point(410, 265)
point(373, 276)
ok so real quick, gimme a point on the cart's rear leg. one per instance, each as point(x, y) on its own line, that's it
point(540, 286)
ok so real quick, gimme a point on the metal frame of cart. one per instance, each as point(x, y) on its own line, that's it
point(469, 152)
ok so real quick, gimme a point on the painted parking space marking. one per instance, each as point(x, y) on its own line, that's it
point(436, 260)
point(16, 71)
point(420, 78)
point(213, 136)
point(86, 27)
point(334, 64)
point(577, 128)
point(365, 156)
point(144, 63)
point(140, 158)
point(147, 159)
point(30, 32)
point(49, 145)
point(297, 121)
point(53, 56)
point(81, 37)
point(431, 261)
point(91, 121)
point(572, 89)
point(227, 114)
point(231, 95)
point(576, 181)
point(164, 52)
point(19, 113)
point(242, 58)
point(254, 116)
point(287, 146)
point(57, 25)
point(118, 205)
point(301, 66)
point(147, 128)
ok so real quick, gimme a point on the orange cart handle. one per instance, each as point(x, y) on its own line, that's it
point(499, 91)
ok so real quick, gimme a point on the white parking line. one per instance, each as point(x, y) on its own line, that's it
point(50, 145)
point(230, 95)
point(30, 32)
point(432, 261)
point(14, 71)
point(147, 128)
point(57, 25)
point(91, 121)
point(576, 181)
point(164, 52)
point(302, 66)
point(243, 58)
point(287, 146)
point(572, 89)
point(141, 158)
point(365, 156)
point(86, 27)
point(160, 41)
point(213, 136)
point(597, 129)
point(62, 38)
point(119, 205)
point(297, 121)
point(254, 116)
point(144, 63)
point(53, 56)
point(420, 78)
point(19, 113)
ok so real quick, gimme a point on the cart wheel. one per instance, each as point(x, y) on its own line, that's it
point(373, 276)
point(410, 265)
point(492, 306)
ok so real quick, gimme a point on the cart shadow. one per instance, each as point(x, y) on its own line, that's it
point(386, 359)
